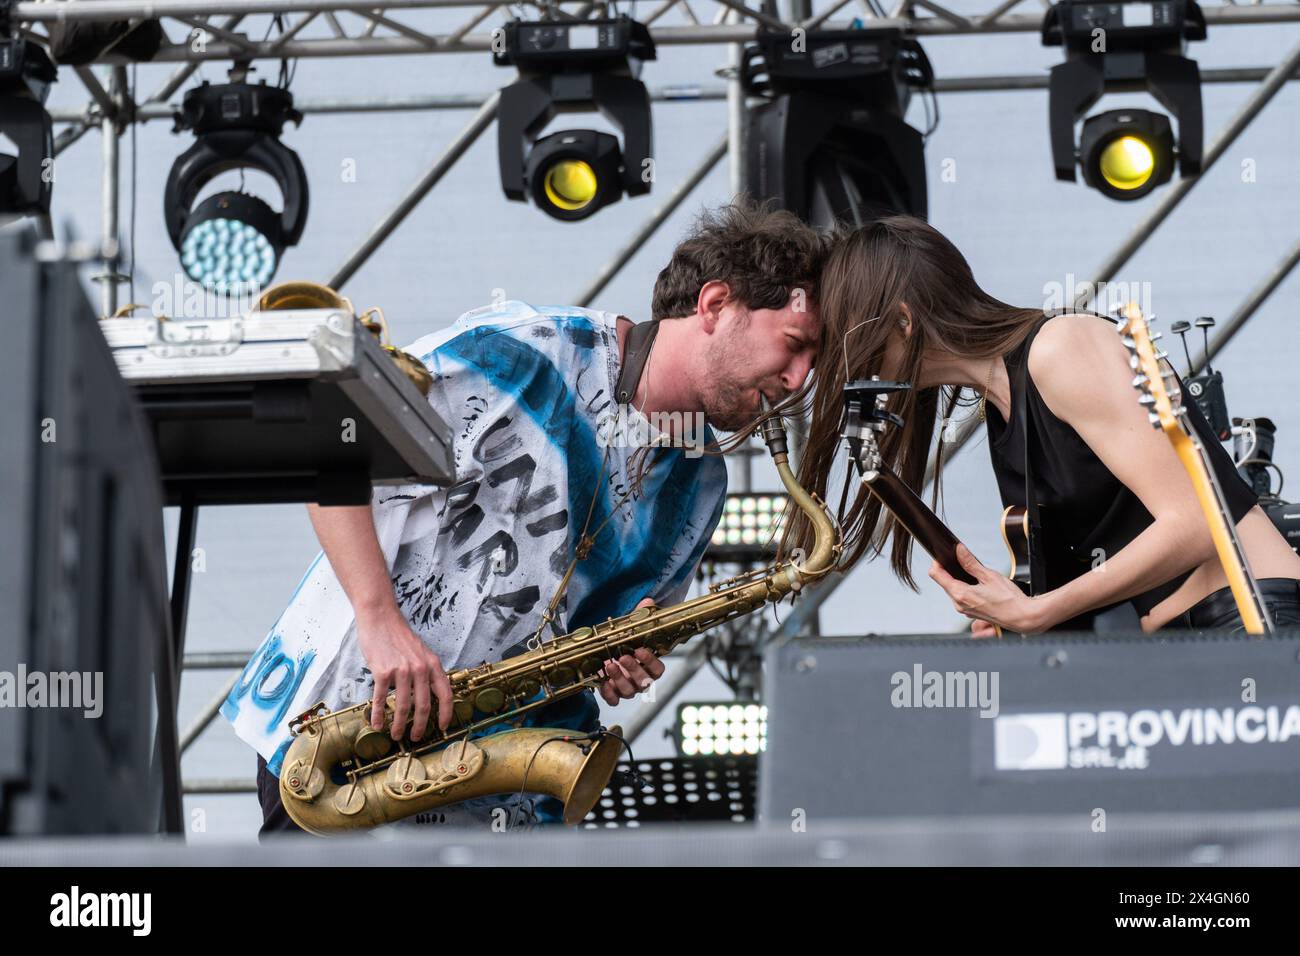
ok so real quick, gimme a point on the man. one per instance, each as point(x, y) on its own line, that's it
point(427, 580)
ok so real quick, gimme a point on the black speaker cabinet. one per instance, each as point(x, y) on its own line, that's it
point(1056, 724)
point(83, 586)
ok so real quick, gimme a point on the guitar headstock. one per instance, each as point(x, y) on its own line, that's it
point(1158, 387)
point(865, 416)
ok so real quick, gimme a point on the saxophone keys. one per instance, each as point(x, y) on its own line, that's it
point(371, 744)
point(562, 675)
point(460, 761)
point(406, 777)
point(350, 800)
point(526, 687)
point(317, 710)
point(489, 700)
point(590, 667)
point(406, 767)
point(463, 709)
point(304, 782)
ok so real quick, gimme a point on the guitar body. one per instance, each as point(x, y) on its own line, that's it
point(1015, 535)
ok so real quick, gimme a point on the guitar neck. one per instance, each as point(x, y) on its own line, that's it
point(922, 523)
point(1245, 589)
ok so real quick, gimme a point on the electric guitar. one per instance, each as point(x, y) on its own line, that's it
point(1015, 535)
point(1162, 398)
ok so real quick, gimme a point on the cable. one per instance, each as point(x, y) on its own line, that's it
point(287, 72)
point(713, 666)
point(933, 103)
point(595, 735)
point(1281, 477)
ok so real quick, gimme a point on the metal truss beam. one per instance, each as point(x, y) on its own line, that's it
point(404, 38)
point(481, 120)
point(154, 109)
point(1249, 306)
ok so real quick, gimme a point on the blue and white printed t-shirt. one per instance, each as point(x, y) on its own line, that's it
point(528, 393)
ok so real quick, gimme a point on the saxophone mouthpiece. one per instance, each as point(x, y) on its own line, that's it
point(773, 430)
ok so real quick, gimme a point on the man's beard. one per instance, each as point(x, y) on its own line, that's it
point(727, 403)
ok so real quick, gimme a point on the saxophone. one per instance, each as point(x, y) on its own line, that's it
point(341, 774)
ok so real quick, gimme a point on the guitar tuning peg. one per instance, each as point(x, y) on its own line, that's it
point(1161, 354)
point(1154, 419)
point(1128, 342)
point(1133, 362)
point(1139, 380)
point(1156, 335)
point(1147, 399)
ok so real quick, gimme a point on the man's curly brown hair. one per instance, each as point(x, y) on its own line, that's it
point(763, 254)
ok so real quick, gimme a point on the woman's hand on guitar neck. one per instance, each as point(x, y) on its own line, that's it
point(993, 599)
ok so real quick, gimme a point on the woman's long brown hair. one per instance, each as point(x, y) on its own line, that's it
point(871, 272)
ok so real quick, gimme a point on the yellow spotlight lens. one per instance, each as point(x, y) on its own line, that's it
point(570, 184)
point(1127, 162)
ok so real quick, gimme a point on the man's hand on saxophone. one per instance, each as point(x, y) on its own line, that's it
point(395, 655)
point(630, 675)
point(401, 662)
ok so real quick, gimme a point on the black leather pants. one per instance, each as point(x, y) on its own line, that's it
point(1219, 610)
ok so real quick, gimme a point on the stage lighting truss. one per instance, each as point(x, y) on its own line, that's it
point(26, 179)
point(831, 142)
point(574, 66)
point(231, 243)
point(749, 529)
point(721, 728)
point(1125, 46)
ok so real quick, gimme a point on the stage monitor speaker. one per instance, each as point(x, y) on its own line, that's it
point(1055, 724)
point(83, 584)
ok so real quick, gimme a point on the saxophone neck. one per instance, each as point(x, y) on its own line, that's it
point(826, 541)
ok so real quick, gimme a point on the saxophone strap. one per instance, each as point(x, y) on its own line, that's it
point(640, 340)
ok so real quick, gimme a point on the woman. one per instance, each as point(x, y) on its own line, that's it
point(1119, 520)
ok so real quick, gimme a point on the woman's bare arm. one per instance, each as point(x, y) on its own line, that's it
point(1081, 371)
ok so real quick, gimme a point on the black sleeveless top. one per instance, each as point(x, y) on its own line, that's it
point(1082, 505)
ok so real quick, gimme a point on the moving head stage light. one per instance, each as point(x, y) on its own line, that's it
point(1125, 47)
point(26, 73)
point(830, 143)
point(579, 66)
point(233, 241)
